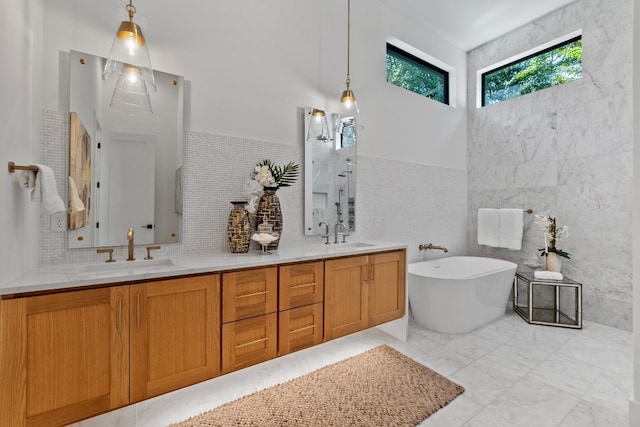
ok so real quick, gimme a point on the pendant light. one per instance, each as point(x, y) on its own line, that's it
point(348, 99)
point(318, 128)
point(128, 67)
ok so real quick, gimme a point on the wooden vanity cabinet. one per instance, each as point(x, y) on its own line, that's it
point(300, 316)
point(71, 355)
point(386, 283)
point(249, 317)
point(63, 357)
point(363, 291)
point(175, 334)
point(346, 298)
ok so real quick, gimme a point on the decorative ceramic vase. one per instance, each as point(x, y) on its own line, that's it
point(269, 212)
point(554, 262)
point(239, 228)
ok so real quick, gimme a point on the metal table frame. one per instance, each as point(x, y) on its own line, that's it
point(547, 316)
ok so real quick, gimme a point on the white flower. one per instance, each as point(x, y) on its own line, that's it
point(543, 222)
point(252, 191)
point(264, 176)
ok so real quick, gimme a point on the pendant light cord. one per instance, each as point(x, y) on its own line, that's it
point(348, 42)
point(131, 9)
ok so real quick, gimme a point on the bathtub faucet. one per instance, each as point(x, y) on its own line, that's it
point(424, 247)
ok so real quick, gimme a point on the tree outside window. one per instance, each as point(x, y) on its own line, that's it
point(559, 64)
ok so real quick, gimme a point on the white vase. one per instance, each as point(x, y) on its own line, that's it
point(554, 262)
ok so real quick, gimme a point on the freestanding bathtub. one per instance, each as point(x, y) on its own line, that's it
point(459, 294)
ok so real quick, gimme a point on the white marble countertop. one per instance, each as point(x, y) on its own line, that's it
point(68, 276)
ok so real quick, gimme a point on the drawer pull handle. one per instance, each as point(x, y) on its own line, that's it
point(251, 295)
point(302, 329)
point(252, 342)
point(302, 286)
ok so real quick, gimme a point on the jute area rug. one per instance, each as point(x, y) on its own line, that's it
point(380, 387)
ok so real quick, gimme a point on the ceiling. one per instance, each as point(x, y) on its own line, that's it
point(468, 24)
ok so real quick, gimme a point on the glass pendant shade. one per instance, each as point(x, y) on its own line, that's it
point(318, 128)
point(129, 59)
point(131, 103)
point(348, 99)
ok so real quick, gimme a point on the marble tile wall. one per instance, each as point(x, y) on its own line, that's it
point(566, 151)
point(412, 204)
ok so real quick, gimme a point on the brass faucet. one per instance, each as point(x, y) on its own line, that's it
point(130, 239)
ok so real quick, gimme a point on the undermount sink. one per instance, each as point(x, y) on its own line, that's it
point(141, 266)
point(336, 248)
point(353, 245)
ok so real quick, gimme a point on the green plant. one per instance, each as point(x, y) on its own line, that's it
point(283, 176)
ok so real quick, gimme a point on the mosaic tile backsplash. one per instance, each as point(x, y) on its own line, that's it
point(413, 205)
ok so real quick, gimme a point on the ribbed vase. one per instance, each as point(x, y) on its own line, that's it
point(239, 228)
point(269, 212)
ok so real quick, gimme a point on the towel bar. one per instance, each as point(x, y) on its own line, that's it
point(13, 167)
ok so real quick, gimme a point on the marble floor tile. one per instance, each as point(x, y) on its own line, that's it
point(530, 403)
point(586, 415)
point(514, 374)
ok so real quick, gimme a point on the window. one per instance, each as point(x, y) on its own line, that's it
point(560, 63)
point(417, 75)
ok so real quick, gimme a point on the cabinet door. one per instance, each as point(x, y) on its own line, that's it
point(249, 341)
point(386, 287)
point(64, 357)
point(301, 284)
point(345, 296)
point(299, 328)
point(175, 334)
point(249, 293)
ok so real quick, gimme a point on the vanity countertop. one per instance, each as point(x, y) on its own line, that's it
point(67, 276)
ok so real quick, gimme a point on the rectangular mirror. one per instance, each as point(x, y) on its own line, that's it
point(124, 171)
point(330, 170)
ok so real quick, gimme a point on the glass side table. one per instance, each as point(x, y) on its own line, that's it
point(548, 302)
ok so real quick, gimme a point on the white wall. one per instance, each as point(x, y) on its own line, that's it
point(251, 64)
point(20, 103)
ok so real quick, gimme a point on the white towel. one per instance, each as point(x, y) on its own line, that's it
point(27, 180)
point(489, 227)
point(547, 275)
point(45, 191)
point(75, 203)
point(511, 226)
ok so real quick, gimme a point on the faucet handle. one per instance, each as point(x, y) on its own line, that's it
point(344, 237)
point(326, 234)
point(149, 249)
point(107, 251)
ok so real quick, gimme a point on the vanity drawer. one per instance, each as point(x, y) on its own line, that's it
point(299, 328)
point(249, 293)
point(301, 284)
point(249, 341)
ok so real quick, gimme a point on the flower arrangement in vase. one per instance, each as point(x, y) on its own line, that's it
point(552, 235)
point(268, 177)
